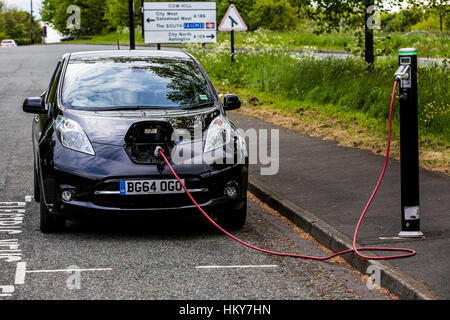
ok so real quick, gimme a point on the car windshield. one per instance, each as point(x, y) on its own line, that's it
point(133, 82)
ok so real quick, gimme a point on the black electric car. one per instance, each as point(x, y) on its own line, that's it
point(100, 123)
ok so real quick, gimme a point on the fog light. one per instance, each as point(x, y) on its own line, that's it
point(67, 195)
point(231, 190)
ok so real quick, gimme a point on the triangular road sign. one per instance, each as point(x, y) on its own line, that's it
point(232, 20)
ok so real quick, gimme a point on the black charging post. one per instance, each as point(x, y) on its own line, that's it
point(409, 143)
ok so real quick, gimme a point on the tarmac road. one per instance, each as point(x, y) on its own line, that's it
point(152, 258)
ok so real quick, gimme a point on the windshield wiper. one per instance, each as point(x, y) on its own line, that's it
point(121, 108)
point(200, 105)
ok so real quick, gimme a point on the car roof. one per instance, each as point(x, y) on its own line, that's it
point(130, 54)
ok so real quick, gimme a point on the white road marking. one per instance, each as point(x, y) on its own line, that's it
point(239, 266)
point(21, 270)
point(5, 291)
point(20, 273)
point(69, 270)
point(28, 198)
point(12, 204)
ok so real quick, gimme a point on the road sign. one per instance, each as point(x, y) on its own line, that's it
point(180, 22)
point(232, 20)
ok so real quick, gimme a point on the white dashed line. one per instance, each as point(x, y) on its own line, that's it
point(239, 266)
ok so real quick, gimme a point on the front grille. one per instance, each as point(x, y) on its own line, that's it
point(149, 201)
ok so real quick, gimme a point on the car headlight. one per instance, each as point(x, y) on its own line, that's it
point(218, 135)
point(72, 135)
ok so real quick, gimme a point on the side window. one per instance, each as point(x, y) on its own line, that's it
point(53, 83)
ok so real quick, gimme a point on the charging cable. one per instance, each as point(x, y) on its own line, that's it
point(356, 250)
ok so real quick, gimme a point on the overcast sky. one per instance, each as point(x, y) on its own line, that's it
point(25, 5)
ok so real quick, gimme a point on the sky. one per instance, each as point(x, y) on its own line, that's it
point(25, 5)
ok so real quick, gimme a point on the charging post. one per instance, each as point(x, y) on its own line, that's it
point(409, 143)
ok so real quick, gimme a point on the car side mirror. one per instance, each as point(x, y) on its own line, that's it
point(34, 105)
point(231, 102)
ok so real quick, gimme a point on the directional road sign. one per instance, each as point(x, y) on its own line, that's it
point(180, 22)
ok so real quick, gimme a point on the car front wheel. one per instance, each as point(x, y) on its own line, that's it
point(48, 223)
point(233, 219)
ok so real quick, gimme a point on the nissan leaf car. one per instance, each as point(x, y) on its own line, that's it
point(99, 126)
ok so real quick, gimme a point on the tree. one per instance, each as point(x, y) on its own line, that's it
point(92, 14)
point(16, 24)
point(441, 7)
point(351, 14)
point(116, 14)
point(273, 15)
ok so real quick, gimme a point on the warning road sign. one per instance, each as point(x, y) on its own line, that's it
point(232, 20)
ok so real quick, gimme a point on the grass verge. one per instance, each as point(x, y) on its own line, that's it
point(432, 45)
point(328, 122)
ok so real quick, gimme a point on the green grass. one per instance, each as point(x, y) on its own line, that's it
point(433, 45)
point(340, 87)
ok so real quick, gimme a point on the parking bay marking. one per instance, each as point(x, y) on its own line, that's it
point(21, 271)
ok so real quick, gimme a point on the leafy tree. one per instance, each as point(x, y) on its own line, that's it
point(355, 15)
point(273, 15)
point(116, 14)
point(92, 14)
point(16, 24)
point(441, 7)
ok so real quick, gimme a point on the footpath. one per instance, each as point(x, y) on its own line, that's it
point(323, 188)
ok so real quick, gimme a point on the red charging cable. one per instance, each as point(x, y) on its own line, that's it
point(355, 249)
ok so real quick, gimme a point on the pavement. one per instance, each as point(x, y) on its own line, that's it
point(324, 187)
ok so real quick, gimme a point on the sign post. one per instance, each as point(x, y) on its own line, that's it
point(232, 21)
point(131, 24)
point(179, 22)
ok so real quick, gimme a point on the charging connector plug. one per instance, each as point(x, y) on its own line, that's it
point(157, 153)
point(402, 73)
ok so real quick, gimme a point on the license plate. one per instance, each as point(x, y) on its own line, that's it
point(130, 187)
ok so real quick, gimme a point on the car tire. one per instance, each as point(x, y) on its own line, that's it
point(37, 190)
point(48, 223)
point(234, 219)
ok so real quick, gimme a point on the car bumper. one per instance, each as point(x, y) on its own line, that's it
point(102, 196)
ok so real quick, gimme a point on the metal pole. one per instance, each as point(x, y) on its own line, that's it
point(409, 146)
point(131, 18)
point(232, 45)
point(32, 22)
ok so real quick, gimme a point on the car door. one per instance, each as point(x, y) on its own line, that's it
point(41, 122)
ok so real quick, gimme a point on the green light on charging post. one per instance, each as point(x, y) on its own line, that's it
point(407, 52)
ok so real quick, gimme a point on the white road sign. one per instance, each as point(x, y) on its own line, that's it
point(180, 22)
point(232, 20)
